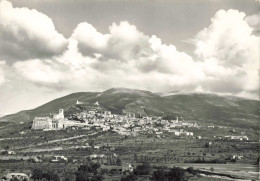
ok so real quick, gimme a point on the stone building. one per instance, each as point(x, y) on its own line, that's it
point(47, 123)
point(42, 123)
point(19, 176)
point(60, 115)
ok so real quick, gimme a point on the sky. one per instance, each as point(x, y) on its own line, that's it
point(52, 48)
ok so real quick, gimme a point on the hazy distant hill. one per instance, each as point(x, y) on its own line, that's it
point(205, 108)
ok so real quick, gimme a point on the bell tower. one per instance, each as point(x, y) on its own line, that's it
point(61, 113)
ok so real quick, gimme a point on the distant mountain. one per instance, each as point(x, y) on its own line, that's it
point(204, 108)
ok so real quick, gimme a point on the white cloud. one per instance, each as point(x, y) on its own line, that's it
point(2, 76)
point(96, 61)
point(229, 39)
point(123, 43)
point(140, 58)
point(229, 53)
point(26, 34)
point(90, 41)
point(41, 71)
point(254, 21)
point(226, 57)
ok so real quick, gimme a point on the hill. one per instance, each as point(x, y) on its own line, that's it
point(204, 108)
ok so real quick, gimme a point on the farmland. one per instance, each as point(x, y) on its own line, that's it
point(107, 147)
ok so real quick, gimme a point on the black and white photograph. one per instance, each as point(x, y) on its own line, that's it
point(129, 90)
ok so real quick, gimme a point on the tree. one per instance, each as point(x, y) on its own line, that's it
point(135, 157)
point(67, 179)
point(82, 175)
point(104, 171)
point(97, 178)
point(144, 169)
point(88, 172)
point(49, 175)
point(176, 174)
point(191, 170)
point(37, 174)
point(118, 161)
point(159, 175)
point(169, 117)
point(131, 177)
point(212, 169)
point(92, 143)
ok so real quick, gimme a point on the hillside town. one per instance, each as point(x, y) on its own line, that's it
point(127, 124)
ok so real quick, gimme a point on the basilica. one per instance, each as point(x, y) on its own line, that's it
point(47, 123)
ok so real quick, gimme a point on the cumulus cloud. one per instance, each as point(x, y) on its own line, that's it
point(254, 21)
point(46, 72)
point(126, 57)
point(96, 61)
point(124, 42)
point(229, 39)
point(127, 50)
point(26, 34)
point(229, 53)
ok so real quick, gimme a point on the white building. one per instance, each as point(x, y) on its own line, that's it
point(48, 123)
point(20, 176)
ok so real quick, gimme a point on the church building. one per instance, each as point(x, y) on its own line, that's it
point(47, 123)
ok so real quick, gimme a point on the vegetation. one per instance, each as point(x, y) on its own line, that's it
point(131, 177)
point(38, 174)
point(147, 152)
point(175, 174)
point(143, 169)
point(191, 170)
point(212, 169)
point(88, 172)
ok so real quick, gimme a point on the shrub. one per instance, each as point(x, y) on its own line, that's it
point(130, 177)
point(176, 174)
point(144, 169)
point(37, 174)
point(159, 175)
point(118, 162)
point(212, 169)
point(88, 171)
point(191, 170)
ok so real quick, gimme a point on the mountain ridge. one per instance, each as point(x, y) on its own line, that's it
point(204, 108)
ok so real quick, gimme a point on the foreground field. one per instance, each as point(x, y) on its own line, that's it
point(67, 170)
point(30, 149)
